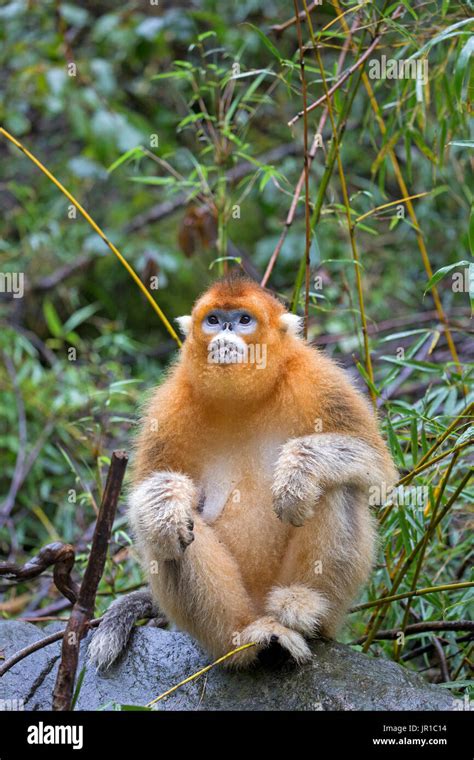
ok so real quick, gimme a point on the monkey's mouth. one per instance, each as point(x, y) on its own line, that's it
point(227, 351)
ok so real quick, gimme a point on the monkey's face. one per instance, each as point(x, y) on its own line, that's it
point(228, 330)
point(237, 340)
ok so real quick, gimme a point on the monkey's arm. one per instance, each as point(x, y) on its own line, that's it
point(308, 467)
point(160, 508)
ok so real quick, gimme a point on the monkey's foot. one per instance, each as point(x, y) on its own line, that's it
point(162, 508)
point(295, 487)
point(267, 632)
point(298, 607)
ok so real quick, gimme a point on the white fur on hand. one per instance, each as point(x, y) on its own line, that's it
point(161, 512)
point(296, 486)
point(310, 465)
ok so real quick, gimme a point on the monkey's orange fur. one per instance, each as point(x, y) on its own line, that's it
point(248, 573)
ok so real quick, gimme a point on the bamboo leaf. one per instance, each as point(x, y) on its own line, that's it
point(440, 273)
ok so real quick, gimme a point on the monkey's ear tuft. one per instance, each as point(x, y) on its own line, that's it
point(292, 324)
point(184, 324)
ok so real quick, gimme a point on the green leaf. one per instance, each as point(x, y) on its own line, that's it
point(394, 443)
point(172, 75)
point(52, 319)
point(206, 35)
point(462, 66)
point(193, 117)
point(268, 44)
point(139, 150)
point(367, 379)
point(246, 96)
point(225, 258)
point(78, 687)
point(420, 143)
point(424, 366)
point(450, 31)
point(163, 181)
point(80, 316)
point(462, 143)
point(440, 273)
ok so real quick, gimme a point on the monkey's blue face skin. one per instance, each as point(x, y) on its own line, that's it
point(233, 322)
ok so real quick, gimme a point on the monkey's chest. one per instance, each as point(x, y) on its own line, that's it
point(238, 480)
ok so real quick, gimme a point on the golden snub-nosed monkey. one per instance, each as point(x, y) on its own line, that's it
point(250, 497)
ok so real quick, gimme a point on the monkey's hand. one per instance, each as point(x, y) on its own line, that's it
point(161, 513)
point(307, 467)
point(296, 485)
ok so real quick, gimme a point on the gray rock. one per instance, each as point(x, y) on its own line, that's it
point(338, 678)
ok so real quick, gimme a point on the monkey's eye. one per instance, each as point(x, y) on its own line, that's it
point(212, 320)
point(245, 319)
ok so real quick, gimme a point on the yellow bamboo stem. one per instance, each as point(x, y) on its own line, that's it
point(97, 229)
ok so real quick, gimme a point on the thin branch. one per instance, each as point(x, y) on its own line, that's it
point(200, 672)
point(83, 609)
point(301, 16)
point(58, 554)
point(419, 628)
point(442, 659)
point(37, 645)
point(50, 281)
point(348, 73)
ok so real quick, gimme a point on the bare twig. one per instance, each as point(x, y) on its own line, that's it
point(442, 659)
point(84, 607)
point(279, 28)
point(418, 628)
point(50, 281)
point(36, 646)
point(348, 73)
point(58, 554)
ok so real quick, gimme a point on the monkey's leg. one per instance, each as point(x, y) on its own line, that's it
point(321, 487)
point(326, 563)
point(203, 594)
point(199, 585)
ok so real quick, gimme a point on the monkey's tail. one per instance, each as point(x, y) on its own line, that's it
point(113, 634)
